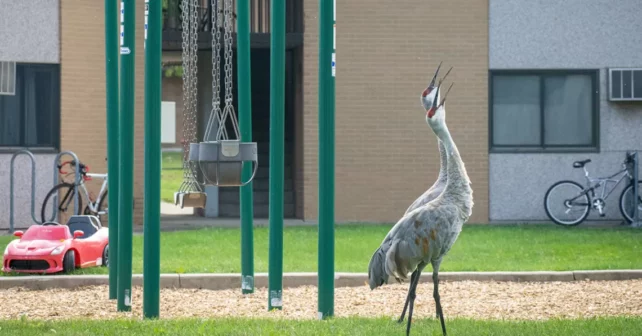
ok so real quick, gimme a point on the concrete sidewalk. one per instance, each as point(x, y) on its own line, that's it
point(221, 281)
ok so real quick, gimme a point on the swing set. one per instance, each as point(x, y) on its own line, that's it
point(223, 157)
point(218, 157)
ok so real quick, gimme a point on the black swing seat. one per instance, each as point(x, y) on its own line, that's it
point(86, 223)
point(581, 163)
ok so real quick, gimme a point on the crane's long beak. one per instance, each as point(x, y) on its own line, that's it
point(431, 85)
point(434, 77)
point(445, 96)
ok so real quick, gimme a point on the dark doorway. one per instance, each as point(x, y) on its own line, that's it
point(229, 205)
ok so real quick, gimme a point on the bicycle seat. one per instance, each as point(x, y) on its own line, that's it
point(581, 163)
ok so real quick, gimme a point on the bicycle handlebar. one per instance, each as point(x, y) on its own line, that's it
point(84, 169)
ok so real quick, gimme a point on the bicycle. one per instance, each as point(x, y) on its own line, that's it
point(94, 206)
point(583, 199)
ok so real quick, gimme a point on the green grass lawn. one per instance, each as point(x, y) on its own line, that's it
point(335, 327)
point(479, 248)
point(171, 175)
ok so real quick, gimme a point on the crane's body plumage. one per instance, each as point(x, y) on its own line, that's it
point(423, 235)
point(426, 234)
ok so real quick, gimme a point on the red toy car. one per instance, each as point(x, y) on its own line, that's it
point(52, 248)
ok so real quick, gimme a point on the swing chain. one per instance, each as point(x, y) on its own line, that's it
point(189, 18)
point(186, 88)
point(216, 69)
point(228, 51)
point(228, 110)
point(194, 90)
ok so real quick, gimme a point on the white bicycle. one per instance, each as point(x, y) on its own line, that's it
point(66, 192)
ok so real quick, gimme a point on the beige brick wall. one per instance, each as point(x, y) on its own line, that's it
point(385, 153)
point(83, 116)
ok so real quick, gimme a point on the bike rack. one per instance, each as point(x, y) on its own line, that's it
point(11, 188)
point(33, 186)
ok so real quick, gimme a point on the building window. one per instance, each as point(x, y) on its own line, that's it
point(31, 116)
point(543, 110)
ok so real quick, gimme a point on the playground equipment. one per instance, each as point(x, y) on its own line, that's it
point(218, 157)
point(190, 192)
point(221, 159)
point(151, 229)
point(33, 188)
point(120, 148)
point(327, 71)
point(225, 157)
point(226, 160)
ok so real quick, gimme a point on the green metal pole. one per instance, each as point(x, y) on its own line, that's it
point(245, 124)
point(277, 105)
point(151, 224)
point(326, 158)
point(126, 188)
point(111, 88)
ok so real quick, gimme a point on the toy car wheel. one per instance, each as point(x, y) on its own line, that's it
point(106, 256)
point(69, 262)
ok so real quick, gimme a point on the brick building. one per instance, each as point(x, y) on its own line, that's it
point(386, 53)
point(385, 154)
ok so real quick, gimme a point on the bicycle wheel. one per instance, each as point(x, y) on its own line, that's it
point(102, 207)
point(65, 202)
point(565, 204)
point(626, 197)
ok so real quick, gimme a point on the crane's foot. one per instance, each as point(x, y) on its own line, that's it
point(408, 325)
point(441, 316)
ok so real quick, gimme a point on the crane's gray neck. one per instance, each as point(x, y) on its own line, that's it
point(443, 157)
point(458, 190)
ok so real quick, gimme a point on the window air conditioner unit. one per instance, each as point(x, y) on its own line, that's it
point(7, 78)
point(625, 84)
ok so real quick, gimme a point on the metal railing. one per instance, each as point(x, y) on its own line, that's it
point(33, 186)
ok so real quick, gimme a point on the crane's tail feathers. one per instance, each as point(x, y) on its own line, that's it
point(384, 264)
point(377, 269)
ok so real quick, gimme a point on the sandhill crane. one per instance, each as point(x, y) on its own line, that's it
point(427, 99)
point(426, 234)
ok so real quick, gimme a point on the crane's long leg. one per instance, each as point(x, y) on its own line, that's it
point(435, 280)
point(413, 295)
point(413, 279)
